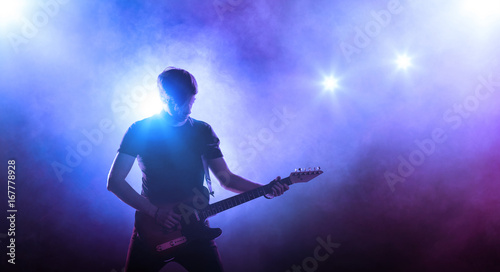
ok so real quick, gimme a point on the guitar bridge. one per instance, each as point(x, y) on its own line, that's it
point(172, 243)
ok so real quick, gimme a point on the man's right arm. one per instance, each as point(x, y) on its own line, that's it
point(122, 189)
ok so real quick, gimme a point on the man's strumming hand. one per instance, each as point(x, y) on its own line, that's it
point(167, 218)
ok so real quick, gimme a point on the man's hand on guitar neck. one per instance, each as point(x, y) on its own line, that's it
point(277, 187)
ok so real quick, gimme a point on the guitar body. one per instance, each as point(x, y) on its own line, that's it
point(163, 241)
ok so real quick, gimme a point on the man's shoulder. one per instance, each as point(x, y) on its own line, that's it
point(147, 123)
point(151, 119)
point(202, 126)
point(198, 123)
point(156, 122)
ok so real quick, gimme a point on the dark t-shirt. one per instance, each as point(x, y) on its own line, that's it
point(170, 157)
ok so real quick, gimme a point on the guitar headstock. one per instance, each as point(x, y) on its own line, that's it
point(303, 175)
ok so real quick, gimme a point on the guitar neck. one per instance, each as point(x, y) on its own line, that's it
point(236, 200)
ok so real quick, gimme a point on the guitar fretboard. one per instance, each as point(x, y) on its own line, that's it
point(236, 200)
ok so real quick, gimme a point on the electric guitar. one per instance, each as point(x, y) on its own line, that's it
point(194, 211)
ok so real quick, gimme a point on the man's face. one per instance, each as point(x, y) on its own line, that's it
point(180, 112)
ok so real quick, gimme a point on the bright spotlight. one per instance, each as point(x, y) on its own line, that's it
point(330, 83)
point(403, 62)
point(151, 105)
point(485, 11)
point(10, 11)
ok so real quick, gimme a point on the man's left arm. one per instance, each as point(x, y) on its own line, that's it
point(237, 184)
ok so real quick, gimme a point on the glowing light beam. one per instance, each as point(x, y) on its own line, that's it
point(484, 11)
point(10, 11)
point(403, 62)
point(151, 105)
point(330, 83)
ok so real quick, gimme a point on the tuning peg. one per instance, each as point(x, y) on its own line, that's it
point(309, 168)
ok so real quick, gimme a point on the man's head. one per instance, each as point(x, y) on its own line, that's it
point(177, 90)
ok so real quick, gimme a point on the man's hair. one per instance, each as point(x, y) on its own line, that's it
point(177, 84)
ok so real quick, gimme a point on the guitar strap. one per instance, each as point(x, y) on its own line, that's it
point(207, 175)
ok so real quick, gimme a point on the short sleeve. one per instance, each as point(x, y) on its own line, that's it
point(212, 149)
point(130, 143)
